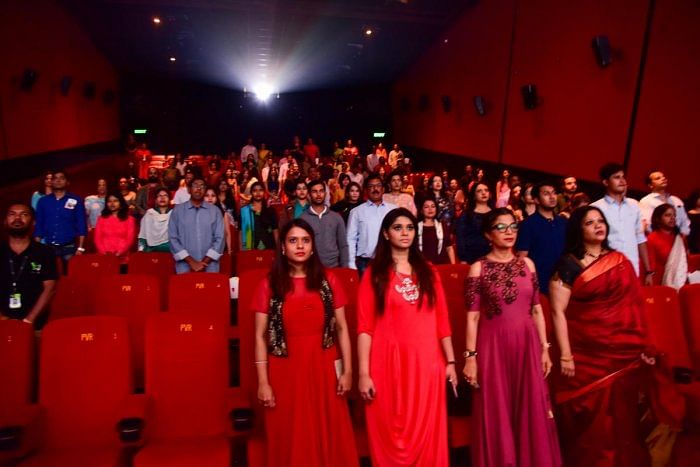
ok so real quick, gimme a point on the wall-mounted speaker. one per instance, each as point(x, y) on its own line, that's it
point(66, 83)
point(446, 104)
point(530, 98)
point(108, 97)
point(89, 90)
point(423, 102)
point(29, 77)
point(601, 48)
point(480, 105)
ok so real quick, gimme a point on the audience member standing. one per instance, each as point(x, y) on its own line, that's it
point(44, 189)
point(127, 193)
point(182, 194)
point(196, 233)
point(569, 188)
point(599, 323)
point(353, 198)
point(668, 256)
point(395, 155)
point(153, 235)
point(312, 153)
point(146, 196)
point(115, 232)
point(694, 216)
point(363, 224)
point(503, 189)
point(27, 269)
point(60, 220)
point(512, 416)
point(259, 223)
point(249, 149)
point(658, 183)
point(542, 235)
point(299, 316)
point(397, 197)
point(624, 218)
point(471, 243)
point(329, 228)
point(445, 206)
point(95, 204)
point(434, 239)
point(405, 352)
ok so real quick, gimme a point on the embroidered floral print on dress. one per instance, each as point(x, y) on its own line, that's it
point(495, 284)
point(407, 289)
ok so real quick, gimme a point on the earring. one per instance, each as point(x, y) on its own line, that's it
point(283, 252)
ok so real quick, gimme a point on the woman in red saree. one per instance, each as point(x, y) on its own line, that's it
point(598, 319)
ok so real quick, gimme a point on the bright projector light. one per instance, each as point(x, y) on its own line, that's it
point(263, 92)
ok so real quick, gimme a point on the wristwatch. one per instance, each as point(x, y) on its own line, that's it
point(470, 353)
point(81, 249)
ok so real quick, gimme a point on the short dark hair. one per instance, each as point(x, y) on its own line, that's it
point(647, 179)
point(29, 207)
point(537, 187)
point(300, 181)
point(257, 184)
point(608, 170)
point(313, 183)
point(370, 177)
point(493, 215)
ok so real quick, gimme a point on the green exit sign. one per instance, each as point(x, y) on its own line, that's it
point(379, 134)
point(140, 131)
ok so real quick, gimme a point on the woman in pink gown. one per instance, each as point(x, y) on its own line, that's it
point(404, 350)
point(508, 363)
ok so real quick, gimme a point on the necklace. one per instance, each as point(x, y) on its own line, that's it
point(591, 255)
point(408, 289)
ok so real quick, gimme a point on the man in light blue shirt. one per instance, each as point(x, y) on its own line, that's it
point(624, 218)
point(364, 224)
point(196, 233)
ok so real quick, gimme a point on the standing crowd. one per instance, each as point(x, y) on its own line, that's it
point(573, 401)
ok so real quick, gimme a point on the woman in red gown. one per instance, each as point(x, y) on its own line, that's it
point(405, 350)
point(299, 316)
point(598, 317)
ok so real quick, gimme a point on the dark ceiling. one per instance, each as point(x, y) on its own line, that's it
point(290, 45)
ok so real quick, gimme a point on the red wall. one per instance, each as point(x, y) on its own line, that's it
point(38, 34)
point(585, 112)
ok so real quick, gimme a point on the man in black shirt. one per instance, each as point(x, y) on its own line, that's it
point(27, 268)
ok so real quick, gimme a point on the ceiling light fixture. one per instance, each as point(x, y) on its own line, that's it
point(172, 59)
point(263, 91)
point(156, 20)
point(368, 32)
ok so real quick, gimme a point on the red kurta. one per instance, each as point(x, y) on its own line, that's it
point(309, 425)
point(407, 420)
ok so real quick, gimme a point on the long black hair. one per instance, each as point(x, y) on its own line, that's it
point(471, 197)
point(280, 281)
point(383, 262)
point(658, 213)
point(123, 212)
point(574, 231)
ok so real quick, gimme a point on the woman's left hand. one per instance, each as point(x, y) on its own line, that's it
point(344, 383)
point(648, 360)
point(546, 363)
point(451, 373)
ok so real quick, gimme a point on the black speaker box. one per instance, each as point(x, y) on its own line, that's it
point(480, 105)
point(29, 77)
point(530, 99)
point(601, 48)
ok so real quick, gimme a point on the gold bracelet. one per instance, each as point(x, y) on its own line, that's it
point(566, 359)
point(260, 362)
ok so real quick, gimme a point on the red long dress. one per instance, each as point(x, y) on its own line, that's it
point(310, 424)
point(407, 420)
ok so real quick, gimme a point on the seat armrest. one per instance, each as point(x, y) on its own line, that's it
point(132, 416)
point(20, 430)
point(239, 410)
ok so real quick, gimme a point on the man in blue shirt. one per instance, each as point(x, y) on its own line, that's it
point(60, 220)
point(542, 235)
point(364, 224)
point(196, 232)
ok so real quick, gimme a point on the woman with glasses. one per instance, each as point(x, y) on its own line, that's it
point(507, 355)
point(404, 350)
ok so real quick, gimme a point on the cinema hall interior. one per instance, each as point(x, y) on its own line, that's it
point(349, 233)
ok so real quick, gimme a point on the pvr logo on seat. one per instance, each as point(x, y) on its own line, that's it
point(199, 285)
point(185, 327)
point(87, 337)
point(650, 301)
point(259, 259)
point(126, 288)
point(95, 265)
point(453, 275)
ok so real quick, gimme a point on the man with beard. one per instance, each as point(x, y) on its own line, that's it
point(27, 268)
point(146, 197)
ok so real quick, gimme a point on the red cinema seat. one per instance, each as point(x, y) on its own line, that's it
point(689, 296)
point(160, 265)
point(202, 294)
point(16, 364)
point(133, 297)
point(74, 297)
point(693, 263)
point(248, 285)
point(84, 393)
point(254, 259)
point(453, 277)
point(186, 388)
point(351, 283)
point(226, 264)
point(665, 325)
point(90, 266)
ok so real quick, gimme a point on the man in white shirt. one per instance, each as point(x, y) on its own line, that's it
point(372, 160)
point(624, 218)
point(394, 155)
point(249, 148)
point(364, 224)
point(658, 183)
point(397, 197)
point(356, 174)
point(285, 164)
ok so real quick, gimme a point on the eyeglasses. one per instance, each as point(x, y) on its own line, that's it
point(504, 227)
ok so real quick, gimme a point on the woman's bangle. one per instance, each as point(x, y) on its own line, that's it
point(451, 362)
point(570, 358)
point(260, 362)
point(546, 345)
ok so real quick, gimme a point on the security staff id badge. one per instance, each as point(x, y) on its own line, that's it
point(15, 301)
